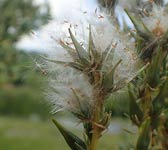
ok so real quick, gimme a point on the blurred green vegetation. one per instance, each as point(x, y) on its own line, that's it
point(21, 134)
point(23, 97)
point(118, 103)
point(20, 82)
point(21, 89)
point(19, 17)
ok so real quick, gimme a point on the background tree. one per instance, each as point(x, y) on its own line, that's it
point(19, 17)
point(17, 81)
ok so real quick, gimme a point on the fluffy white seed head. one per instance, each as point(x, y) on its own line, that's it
point(157, 21)
point(63, 80)
point(106, 33)
point(62, 85)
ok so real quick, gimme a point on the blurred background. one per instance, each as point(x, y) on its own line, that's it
point(25, 119)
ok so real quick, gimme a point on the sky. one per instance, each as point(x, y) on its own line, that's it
point(37, 40)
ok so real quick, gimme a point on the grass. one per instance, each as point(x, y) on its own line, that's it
point(22, 134)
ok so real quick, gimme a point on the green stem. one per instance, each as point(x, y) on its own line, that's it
point(94, 141)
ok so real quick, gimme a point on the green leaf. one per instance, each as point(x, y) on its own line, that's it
point(72, 140)
point(55, 61)
point(95, 56)
point(105, 121)
point(79, 147)
point(136, 114)
point(123, 82)
point(166, 118)
point(109, 51)
point(142, 30)
point(91, 47)
point(153, 74)
point(108, 80)
point(146, 48)
point(144, 135)
point(82, 53)
point(88, 130)
point(70, 50)
point(76, 66)
point(158, 102)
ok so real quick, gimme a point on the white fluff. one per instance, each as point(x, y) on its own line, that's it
point(63, 78)
point(157, 22)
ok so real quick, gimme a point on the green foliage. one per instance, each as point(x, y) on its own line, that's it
point(19, 81)
point(148, 92)
point(135, 112)
point(29, 134)
point(151, 90)
point(18, 17)
point(139, 26)
point(144, 135)
point(118, 104)
point(17, 94)
point(72, 140)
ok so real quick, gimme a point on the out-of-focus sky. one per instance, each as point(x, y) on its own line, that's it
point(37, 40)
point(59, 8)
